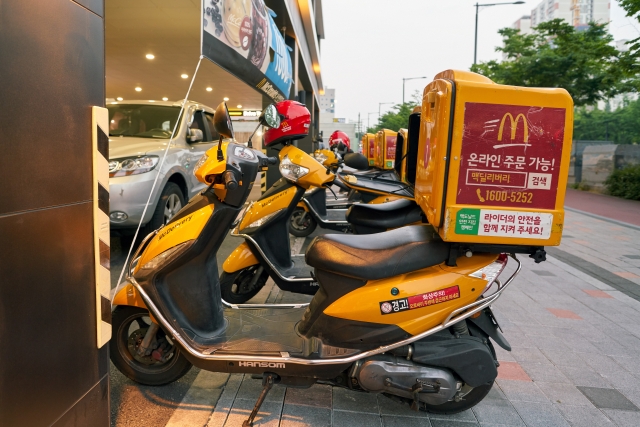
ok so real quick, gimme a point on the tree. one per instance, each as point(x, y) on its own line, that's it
point(630, 60)
point(585, 63)
point(621, 126)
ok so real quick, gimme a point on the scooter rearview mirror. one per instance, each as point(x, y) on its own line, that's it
point(222, 121)
point(270, 117)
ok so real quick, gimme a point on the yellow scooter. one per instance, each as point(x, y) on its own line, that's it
point(362, 331)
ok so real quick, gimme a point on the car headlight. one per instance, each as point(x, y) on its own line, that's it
point(159, 260)
point(201, 162)
point(132, 165)
point(255, 224)
point(291, 171)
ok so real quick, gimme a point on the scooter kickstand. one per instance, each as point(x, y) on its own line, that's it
point(267, 383)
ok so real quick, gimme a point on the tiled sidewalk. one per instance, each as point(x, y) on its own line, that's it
point(575, 358)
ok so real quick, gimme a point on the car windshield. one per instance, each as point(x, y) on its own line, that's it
point(144, 121)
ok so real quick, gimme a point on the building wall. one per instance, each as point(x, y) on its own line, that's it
point(576, 12)
point(327, 101)
point(52, 66)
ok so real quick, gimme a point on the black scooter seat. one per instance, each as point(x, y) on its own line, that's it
point(375, 218)
point(377, 256)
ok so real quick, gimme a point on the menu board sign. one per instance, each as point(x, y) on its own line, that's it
point(242, 38)
point(510, 156)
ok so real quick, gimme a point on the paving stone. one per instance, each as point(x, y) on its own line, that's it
point(544, 372)
point(497, 412)
point(566, 394)
point(466, 416)
point(584, 416)
point(596, 293)
point(542, 273)
point(632, 394)
point(632, 256)
point(563, 358)
point(584, 376)
point(564, 314)
point(623, 418)
point(452, 423)
point(391, 407)
point(389, 421)
point(358, 419)
point(305, 416)
point(607, 398)
point(522, 390)
point(512, 371)
point(317, 395)
point(269, 415)
point(350, 400)
point(622, 380)
point(495, 394)
point(528, 354)
point(540, 414)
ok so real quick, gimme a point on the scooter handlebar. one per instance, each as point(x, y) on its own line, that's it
point(230, 180)
point(272, 160)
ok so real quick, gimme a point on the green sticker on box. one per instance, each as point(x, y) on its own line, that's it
point(389, 164)
point(468, 221)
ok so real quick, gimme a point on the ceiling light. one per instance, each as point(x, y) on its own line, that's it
point(209, 89)
point(225, 99)
point(119, 98)
point(184, 76)
point(150, 55)
point(239, 106)
point(151, 100)
point(316, 68)
point(165, 99)
point(138, 89)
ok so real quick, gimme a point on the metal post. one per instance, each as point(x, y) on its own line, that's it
point(403, 80)
point(475, 45)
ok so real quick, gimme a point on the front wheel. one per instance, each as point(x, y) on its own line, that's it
point(163, 365)
point(241, 286)
point(301, 223)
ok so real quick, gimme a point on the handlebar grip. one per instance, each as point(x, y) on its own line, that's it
point(273, 160)
point(230, 180)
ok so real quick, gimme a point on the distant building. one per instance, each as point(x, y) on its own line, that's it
point(576, 12)
point(523, 24)
point(329, 123)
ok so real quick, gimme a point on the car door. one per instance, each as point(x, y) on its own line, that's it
point(197, 149)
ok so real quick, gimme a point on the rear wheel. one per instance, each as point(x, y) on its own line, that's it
point(301, 223)
point(164, 365)
point(466, 401)
point(241, 286)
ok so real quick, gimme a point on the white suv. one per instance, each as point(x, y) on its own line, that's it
point(139, 132)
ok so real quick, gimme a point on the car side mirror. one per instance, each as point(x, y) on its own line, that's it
point(195, 135)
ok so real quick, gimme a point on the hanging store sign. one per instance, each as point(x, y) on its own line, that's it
point(241, 37)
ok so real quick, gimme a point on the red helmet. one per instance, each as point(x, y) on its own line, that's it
point(294, 124)
point(337, 137)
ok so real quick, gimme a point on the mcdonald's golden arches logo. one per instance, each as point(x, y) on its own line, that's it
point(514, 128)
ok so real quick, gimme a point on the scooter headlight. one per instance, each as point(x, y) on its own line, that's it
point(320, 157)
point(255, 224)
point(161, 259)
point(491, 272)
point(291, 171)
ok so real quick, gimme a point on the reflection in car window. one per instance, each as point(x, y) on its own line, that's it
point(144, 121)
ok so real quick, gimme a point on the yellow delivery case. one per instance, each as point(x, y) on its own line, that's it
point(493, 160)
point(385, 149)
point(368, 142)
point(400, 163)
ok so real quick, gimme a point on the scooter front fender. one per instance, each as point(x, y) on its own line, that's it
point(240, 258)
point(128, 295)
point(303, 205)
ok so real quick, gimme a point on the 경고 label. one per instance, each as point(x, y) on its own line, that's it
point(419, 301)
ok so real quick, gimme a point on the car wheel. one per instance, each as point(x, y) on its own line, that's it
point(171, 201)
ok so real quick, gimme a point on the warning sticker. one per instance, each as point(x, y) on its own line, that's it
point(419, 301)
point(510, 155)
point(492, 222)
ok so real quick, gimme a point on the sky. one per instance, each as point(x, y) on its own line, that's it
point(370, 45)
